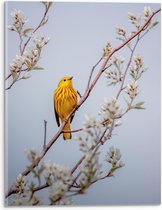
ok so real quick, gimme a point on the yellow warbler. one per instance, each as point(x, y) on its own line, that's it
point(65, 99)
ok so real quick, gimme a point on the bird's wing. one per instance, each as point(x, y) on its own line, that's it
point(71, 119)
point(56, 115)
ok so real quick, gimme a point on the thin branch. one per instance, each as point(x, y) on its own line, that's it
point(72, 131)
point(16, 71)
point(128, 65)
point(91, 73)
point(82, 100)
point(101, 178)
point(45, 132)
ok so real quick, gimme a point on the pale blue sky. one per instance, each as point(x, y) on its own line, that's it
point(79, 32)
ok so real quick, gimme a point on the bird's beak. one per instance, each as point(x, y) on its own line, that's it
point(70, 78)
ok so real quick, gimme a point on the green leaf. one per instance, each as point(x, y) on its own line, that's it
point(139, 105)
point(154, 23)
point(45, 20)
point(37, 68)
point(25, 77)
point(27, 31)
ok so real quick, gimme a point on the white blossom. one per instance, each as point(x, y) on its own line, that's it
point(109, 110)
point(112, 76)
point(134, 19)
point(57, 189)
point(120, 31)
point(113, 157)
point(138, 60)
point(20, 184)
point(91, 169)
point(26, 199)
point(10, 27)
point(31, 57)
point(32, 155)
point(110, 106)
point(39, 40)
point(22, 199)
point(108, 49)
point(17, 62)
point(147, 12)
point(117, 60)
point(82, 144)
point(53, 171)
point(132, 89)
point(64, 202)
point(89, 122)
point(18, 18)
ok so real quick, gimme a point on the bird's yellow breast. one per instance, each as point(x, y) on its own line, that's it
point(65, 99)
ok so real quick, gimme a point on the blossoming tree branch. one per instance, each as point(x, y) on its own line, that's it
point(27, 59)
point(64, 183)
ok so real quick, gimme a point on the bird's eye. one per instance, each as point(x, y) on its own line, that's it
point(64, 80)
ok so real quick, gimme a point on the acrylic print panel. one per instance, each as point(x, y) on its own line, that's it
point(82, 103)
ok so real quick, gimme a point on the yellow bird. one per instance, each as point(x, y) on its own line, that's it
point(65, 99)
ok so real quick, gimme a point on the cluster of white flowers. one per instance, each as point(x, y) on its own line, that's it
point(58, 177)
point(138, 69)
point(113, 157)
point(20, 184)
point(134, 20)
point(92, 131)
point(110, 110)
point(132, 89)
point(138, 20)
point(91, 169)
point(17, 63)
point(114, 75)
point(31, 57)
point(18, 19)
point(89, 122)
point(120, 31)
point(53, 171)
point(139, 61)
point(117, 60)
point(58, 189)
point(65, 202)
point(107, 50)
point(39, 40)
point(82, 144)
point(147, 12)
point(32, 155)
point(26, 199)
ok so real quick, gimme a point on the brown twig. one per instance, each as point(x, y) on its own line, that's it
point(17, 71)
point(91, 73)
point(126, 70)
point(45, 132)
point(72, 131)
point(82, 100)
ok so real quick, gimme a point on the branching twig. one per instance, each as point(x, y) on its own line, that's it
point(91, 73)
point(22, 49)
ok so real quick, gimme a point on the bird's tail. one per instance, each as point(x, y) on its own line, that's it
point(67, 128)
